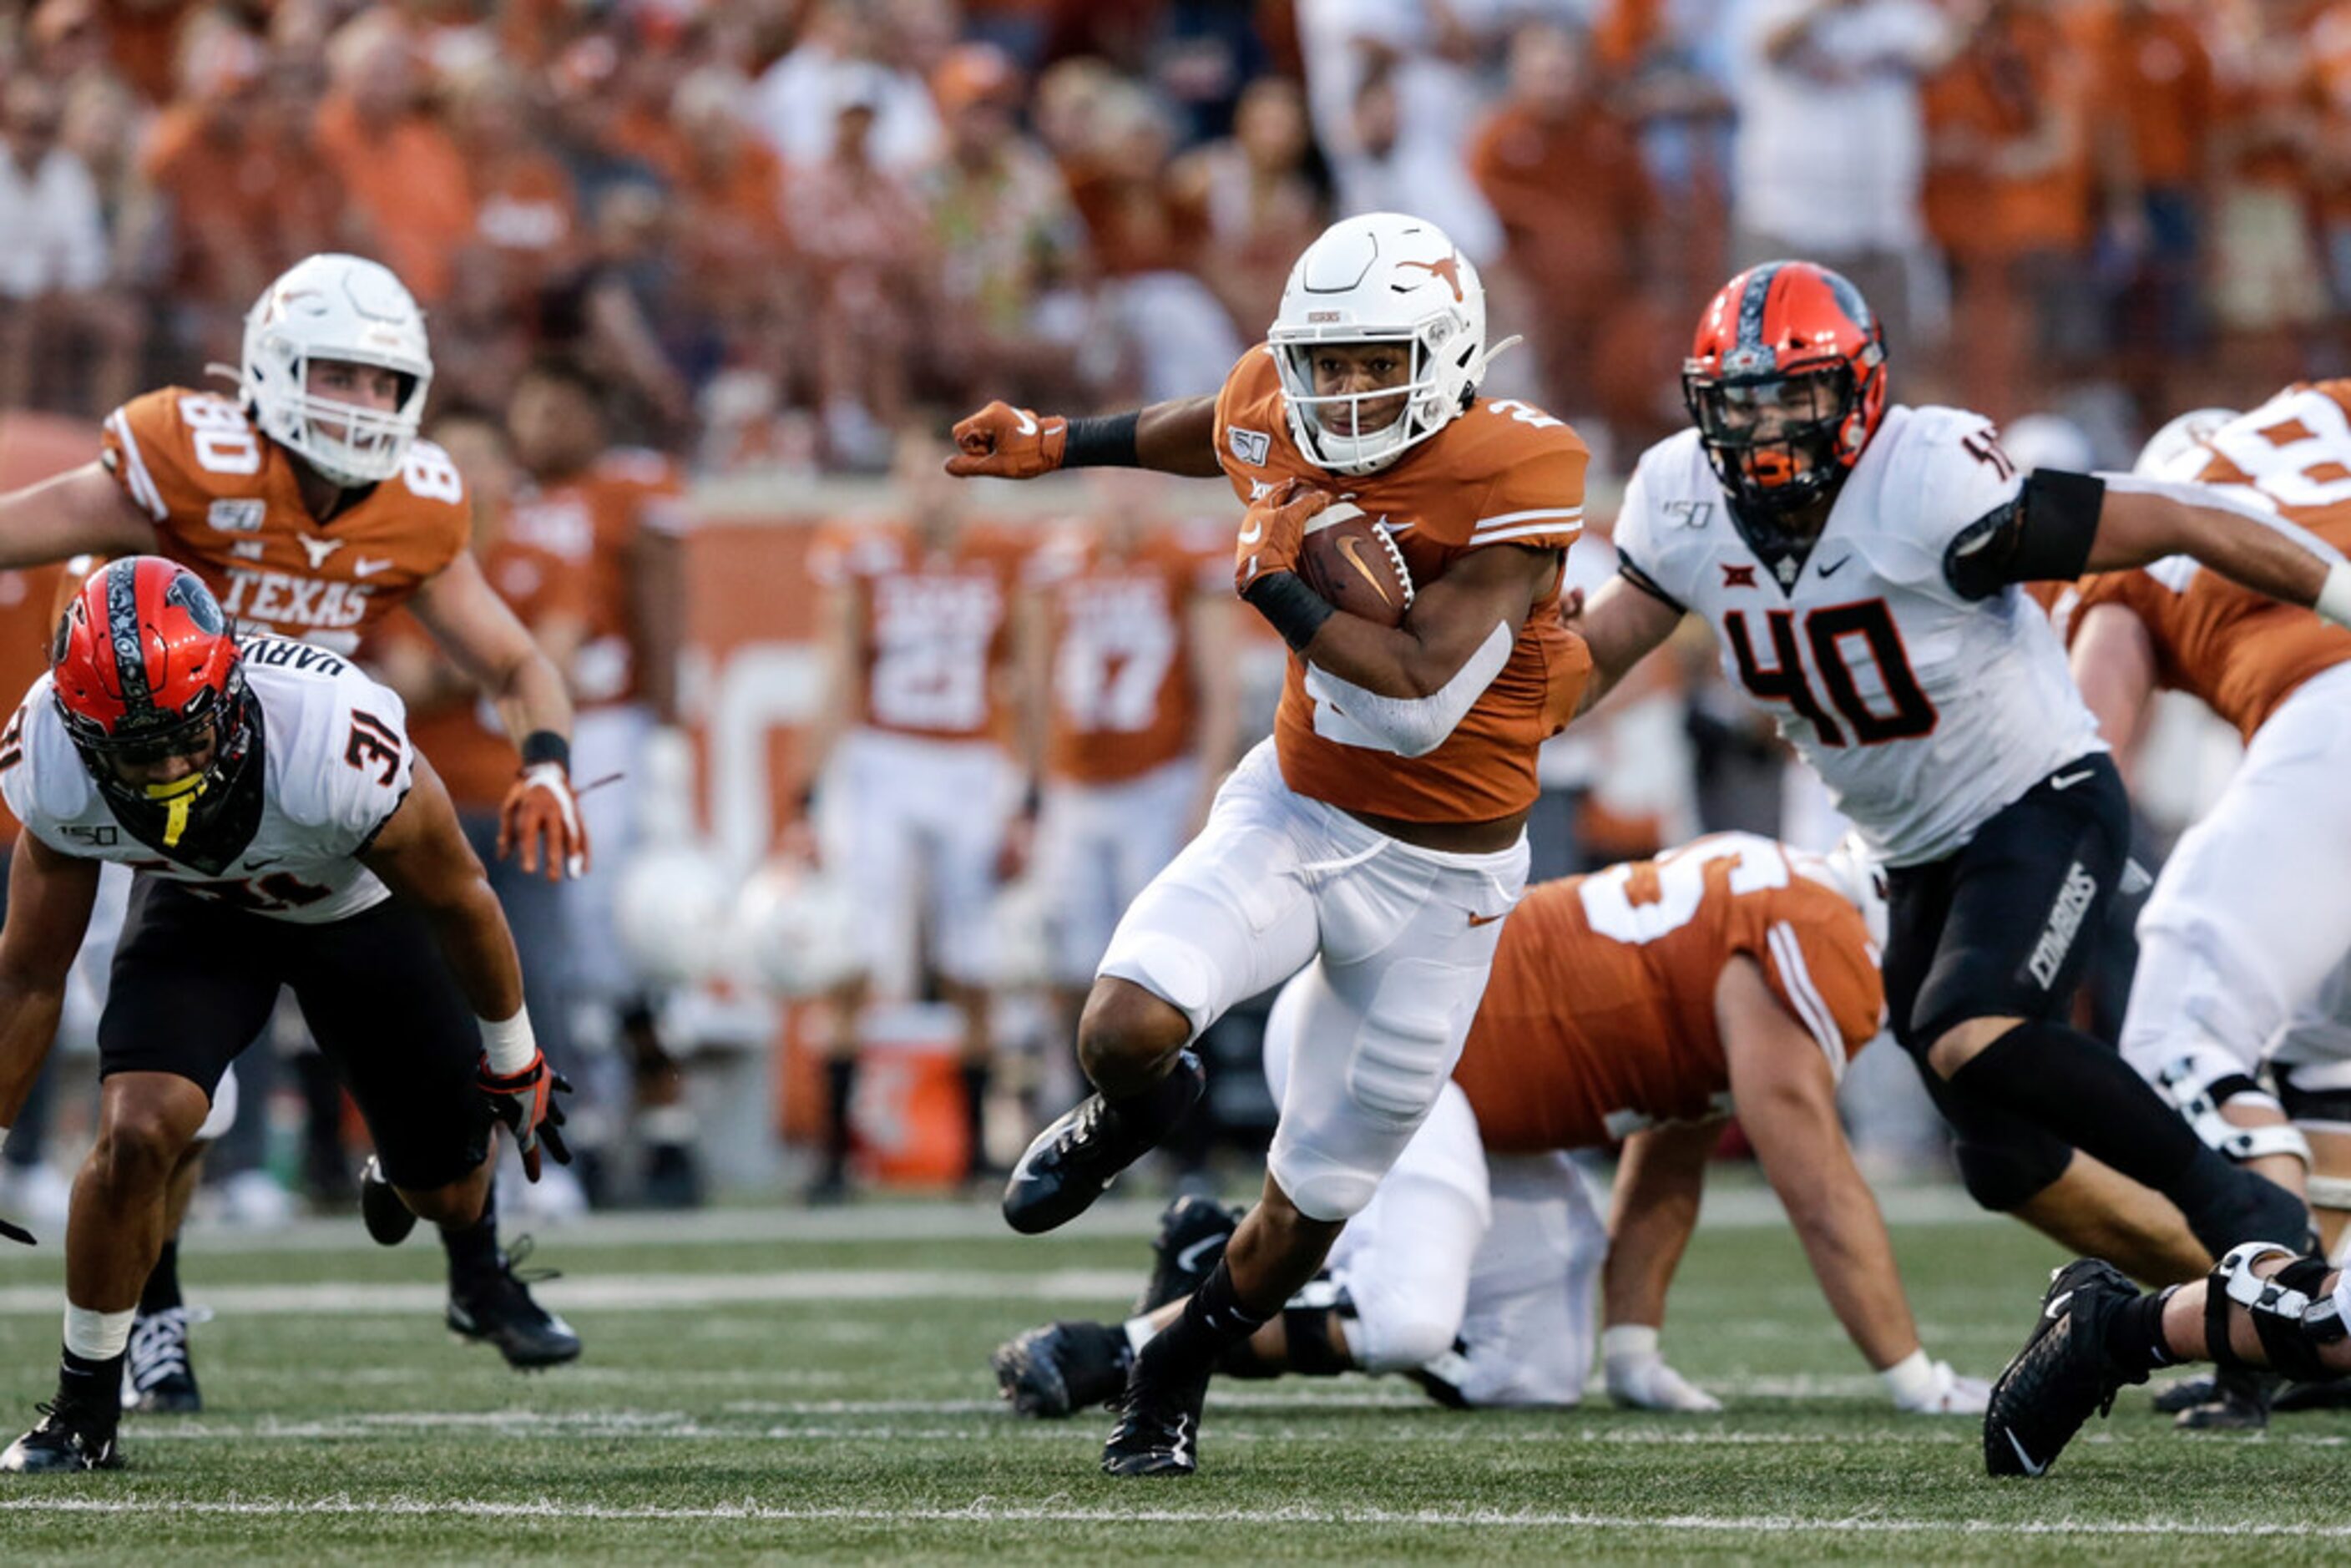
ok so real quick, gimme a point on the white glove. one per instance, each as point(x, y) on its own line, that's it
point(1924, 1387)
point(1638, 1377)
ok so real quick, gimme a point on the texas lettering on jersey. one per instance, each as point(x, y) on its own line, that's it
point(226, 504)
point(1924, 711)
point(1503, 473)
point(1599, 1019)
point(2242, 652)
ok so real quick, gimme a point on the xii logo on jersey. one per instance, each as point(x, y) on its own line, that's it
point(240, 516)
point(1251, 446)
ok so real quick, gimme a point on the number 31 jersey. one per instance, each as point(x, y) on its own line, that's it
point(226, 505)
point(336, 763)
point(1924, 712)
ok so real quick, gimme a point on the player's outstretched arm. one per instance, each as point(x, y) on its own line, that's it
point(1621, 625)
point(1787, 1105)
point(1177, 436)
point(422, 856)
point(1654, 1204)
point(540, 817)
point(84, 512)
point(2144, 520)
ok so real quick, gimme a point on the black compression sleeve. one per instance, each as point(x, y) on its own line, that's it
point(1107, 442)
point(1291, 608)
point(2042, 536)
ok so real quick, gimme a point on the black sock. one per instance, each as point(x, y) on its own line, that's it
point(94, 1386)
point(474, 1248)
point(839, 1089)
point(161, 1291)
point(2134, 1343)
point(1214, 1320)
point(2086, 1094)
point(976, 1078)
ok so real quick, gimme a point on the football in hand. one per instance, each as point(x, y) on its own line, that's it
point(1354, 565)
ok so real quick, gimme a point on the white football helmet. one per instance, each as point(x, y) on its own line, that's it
point(2181, 449)
point(342, 308)
point(1380, 278)
point(1849, 869)
point(798, 928)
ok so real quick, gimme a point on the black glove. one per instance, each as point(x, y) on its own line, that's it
point(524, 1102)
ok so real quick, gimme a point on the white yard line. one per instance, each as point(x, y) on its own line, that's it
point(986, 1512)
point(1728, 1208)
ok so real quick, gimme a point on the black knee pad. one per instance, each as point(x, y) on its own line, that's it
point(2003, 1173)
point(2307, 1105)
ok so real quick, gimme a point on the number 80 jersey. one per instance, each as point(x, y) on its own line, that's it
point(1924, 711)
point(225, 503)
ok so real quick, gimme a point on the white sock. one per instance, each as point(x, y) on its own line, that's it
point(96, 1336)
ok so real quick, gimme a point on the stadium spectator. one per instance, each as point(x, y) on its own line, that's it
point(800, 92)
point(1248, 203)
point(2268, 289)
point(401, 170)
point(55, 313)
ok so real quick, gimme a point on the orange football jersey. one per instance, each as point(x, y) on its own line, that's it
point(2239, 652)
point(1502, 473)
point(936, 627)
point(1599, 1019)
point(225, 503)
point(1122, 698)
point(463, 736)
point(593, 520)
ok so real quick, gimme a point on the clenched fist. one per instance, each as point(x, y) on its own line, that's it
point(1006, 443)
point(1273, 530)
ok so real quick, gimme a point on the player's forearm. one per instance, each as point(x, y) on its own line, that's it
point(470, 930)
point(2142, 521)
point(1811, 1170)
point(28, 1026)
point(531, 696)
point(1659, 1182)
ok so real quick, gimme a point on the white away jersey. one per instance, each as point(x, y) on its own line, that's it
point(1924, 712)
point(336, 762)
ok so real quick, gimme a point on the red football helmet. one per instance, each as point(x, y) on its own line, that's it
point(1786, 382)
point(145, 670)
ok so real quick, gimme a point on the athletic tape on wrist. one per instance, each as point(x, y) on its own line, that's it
point(508, 1043)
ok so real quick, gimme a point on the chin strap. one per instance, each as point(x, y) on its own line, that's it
point(179, 798)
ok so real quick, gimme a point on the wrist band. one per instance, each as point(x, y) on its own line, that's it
point(545, 746)
point(508, 1043)
point(1294, 610)
point(1106, 441)
point(2334, 594)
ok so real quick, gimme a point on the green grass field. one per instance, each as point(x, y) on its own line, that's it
point(782, 1385)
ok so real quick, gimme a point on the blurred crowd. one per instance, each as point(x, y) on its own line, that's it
point(776, 228)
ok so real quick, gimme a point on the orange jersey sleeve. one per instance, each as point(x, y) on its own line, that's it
point(226, 504)
point(1503, 473)
point(2239, 652)
point(1599, 1019)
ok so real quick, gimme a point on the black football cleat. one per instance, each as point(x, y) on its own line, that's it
point(499, 1310)
point(387, 1218)
point(159, 1375)
point(1073, 1160)
point(1158, 1430)
point(2297, 1397)
point(1193, 1231)
point(1055, 1371)
point(2061, 1377)
point(2240, 1402)
point(67, 1438)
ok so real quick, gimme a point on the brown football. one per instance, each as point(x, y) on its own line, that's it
point(1352, 564)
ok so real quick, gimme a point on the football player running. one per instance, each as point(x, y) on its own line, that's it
point(1640, 1003)
point(1378, 840)
point(308, 506)
point(286, 833)
point(1858, 561)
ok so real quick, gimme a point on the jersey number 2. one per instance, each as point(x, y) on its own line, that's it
point(1831, 632)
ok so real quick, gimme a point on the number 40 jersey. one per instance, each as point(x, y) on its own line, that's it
point(335, 764)
point(1923, 710)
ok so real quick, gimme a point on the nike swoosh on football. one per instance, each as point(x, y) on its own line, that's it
point(2066, 781)
point(2031, 1468)
point(1828, 570)
point(1353, 551)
